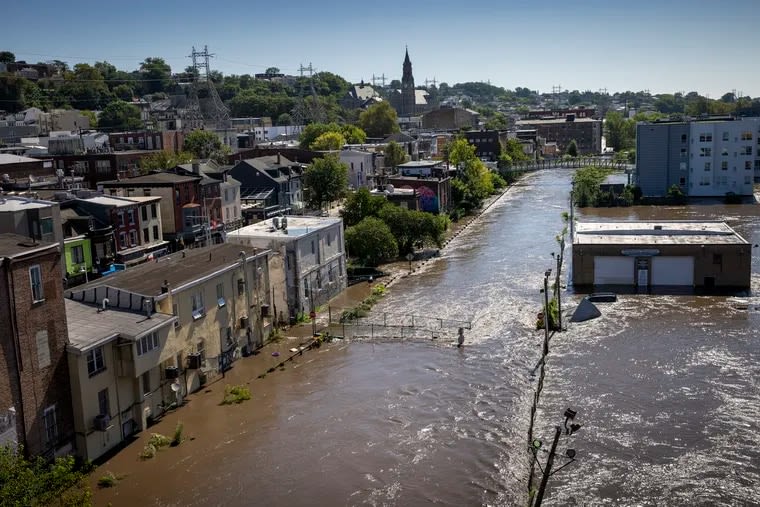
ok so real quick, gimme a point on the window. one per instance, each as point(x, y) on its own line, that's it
point(132, 238)
point(724, 152)
point(705, 152)
point(146, 383)
point(312, 246)
point(199, 310)
point(705, 137)
point(708, 166)
point(725, 136)
point(329, 239)
point(747, 165)
point(146, 235)
point(226, 195)
point(202, 351)
point(683, 152)
point(681, 181)
point(46, 226)
point(153, 212)
point(35, 278)
point(747, 180)
point(220, 295)
point(683, 138)
point(746, 150)
point(121, 218)
point(43, 349)
point(147, 343)
point(724, 165)
point(95, 361)
point(146, 192)
point(104, 408)
point(747, 135)
point(144, 213)
point(155, 233)
point(123, 239)
point(227, 214)
point(51, 425)
point(131, 216)
point(77, 254)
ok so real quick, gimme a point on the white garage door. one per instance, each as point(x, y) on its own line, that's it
point(613, 270)
point(673, 271)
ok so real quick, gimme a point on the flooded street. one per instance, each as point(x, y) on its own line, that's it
point(666, 387)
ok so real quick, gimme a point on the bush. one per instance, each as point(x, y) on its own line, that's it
point(178, 434)
point(158, 440)
point(236, 394)
point(108, 481)
point(148, 452)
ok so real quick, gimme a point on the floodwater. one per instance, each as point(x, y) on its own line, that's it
point(666, 388)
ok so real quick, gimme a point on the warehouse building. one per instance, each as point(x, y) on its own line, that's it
point(661, 255)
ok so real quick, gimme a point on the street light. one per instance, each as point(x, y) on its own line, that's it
point(547, 274)
point(569, 454)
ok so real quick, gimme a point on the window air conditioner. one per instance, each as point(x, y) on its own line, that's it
point(101, 422)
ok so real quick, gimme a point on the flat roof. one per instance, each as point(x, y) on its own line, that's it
point(663, 232)
point(178, 268)
point(12, 245)
point(105, 200)
point(7, 158)
point(297, 226)
point(88, 327)
point(555, 120)
point(421, 163)
point(15, 203)
point(143, 198)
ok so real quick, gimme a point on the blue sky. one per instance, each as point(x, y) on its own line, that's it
point(664, 46)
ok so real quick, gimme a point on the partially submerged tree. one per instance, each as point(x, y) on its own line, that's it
point(325, 180)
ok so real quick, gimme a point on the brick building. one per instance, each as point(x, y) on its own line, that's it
point(35, 394)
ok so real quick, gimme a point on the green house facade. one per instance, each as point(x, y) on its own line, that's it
point(78, 258)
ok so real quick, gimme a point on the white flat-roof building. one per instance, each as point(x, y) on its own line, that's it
point(312, 258)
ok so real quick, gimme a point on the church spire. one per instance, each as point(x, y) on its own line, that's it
point(407, 76)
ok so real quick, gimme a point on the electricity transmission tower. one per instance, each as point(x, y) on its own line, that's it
point(215, 114)
point(308, 109)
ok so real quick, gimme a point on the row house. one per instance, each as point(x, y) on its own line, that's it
point(272, 182)
point(143, 338)
point(168, 140)
point(309, 251)
point(362, 168)
point(226, 199)
point(35, 396)
point(136, 223)
point(99, 167)
point(184, 216)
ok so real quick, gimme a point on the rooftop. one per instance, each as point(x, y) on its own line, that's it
point(297, 226)
point(662, 232)
point(89, 327)
point(179, 268)
point(14, 203)
point(161, 178)
point(420, 163)
point(7, 158)
point(555, 120)
point(104, 200)
point(15, 245)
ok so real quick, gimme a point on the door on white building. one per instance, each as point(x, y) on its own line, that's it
point(613, 270)
point(673, 271)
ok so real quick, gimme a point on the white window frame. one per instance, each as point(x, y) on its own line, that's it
point(38, 291)
point(96, 357)
point(147, 343)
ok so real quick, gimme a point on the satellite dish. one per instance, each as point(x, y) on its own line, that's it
point(175, 387)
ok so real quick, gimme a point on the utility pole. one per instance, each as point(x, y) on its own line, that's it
point(548, 469)
point(547, 274)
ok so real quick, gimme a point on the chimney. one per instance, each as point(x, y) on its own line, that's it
point(196, 167)
point(278, 158)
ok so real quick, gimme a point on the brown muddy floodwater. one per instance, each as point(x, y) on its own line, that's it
point(667, 389)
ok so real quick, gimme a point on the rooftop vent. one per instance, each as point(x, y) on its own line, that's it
point(657, 227)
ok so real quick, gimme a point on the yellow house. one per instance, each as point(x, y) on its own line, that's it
point(215, 302)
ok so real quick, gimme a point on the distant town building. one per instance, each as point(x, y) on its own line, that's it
point(450, 118)
point(273, 182)
point(586, 132)
point(359, 96)
point(408, 101)
point(486, 142)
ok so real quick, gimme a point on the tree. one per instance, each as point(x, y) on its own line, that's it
point(124, 92)
point(91, 116)
point(360, 205)
point(572, 149)
point(371, 241)
point(39, 483)
point(163, 160)
point(271, 71)
point(619, 131)
point(205, 144)
point(325, 180)
point(353, 134)
point(312, 131)
point(119, 115)
point(379, 120)
point(7, 57)
point(156, 74)
point(460, 151)
point(284, 120)
point(329, 141)
point(414, 228)
point(395, 155)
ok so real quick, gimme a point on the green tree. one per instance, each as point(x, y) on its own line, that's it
point(586, 183)
point(284, 120)
point(119, 115)
point(272, 71)
point(414, 229)
point(619, 131)
point(353, 134)
point(312, 131)
point(7, 57)
point(460, 152)
point(163, 160)
point(156, 75)
point(204, 144)
point(124, 92)
point(379, 120)
point(325, 180)
point(371, 241)
point(360, 205)
point(572, 149)
point(395, 155)
point(329, 141)
point(497, 122)
point(91, 116)
point(39, 483)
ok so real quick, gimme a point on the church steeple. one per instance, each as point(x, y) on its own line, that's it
point(407, 77)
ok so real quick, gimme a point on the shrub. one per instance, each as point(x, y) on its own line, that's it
point(177, 439)
point(108, 481)
point(148, 452)
point(236, 394)
point(158, 440)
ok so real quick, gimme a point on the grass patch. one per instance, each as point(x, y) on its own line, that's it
point(109, 480)
point(236, 394)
